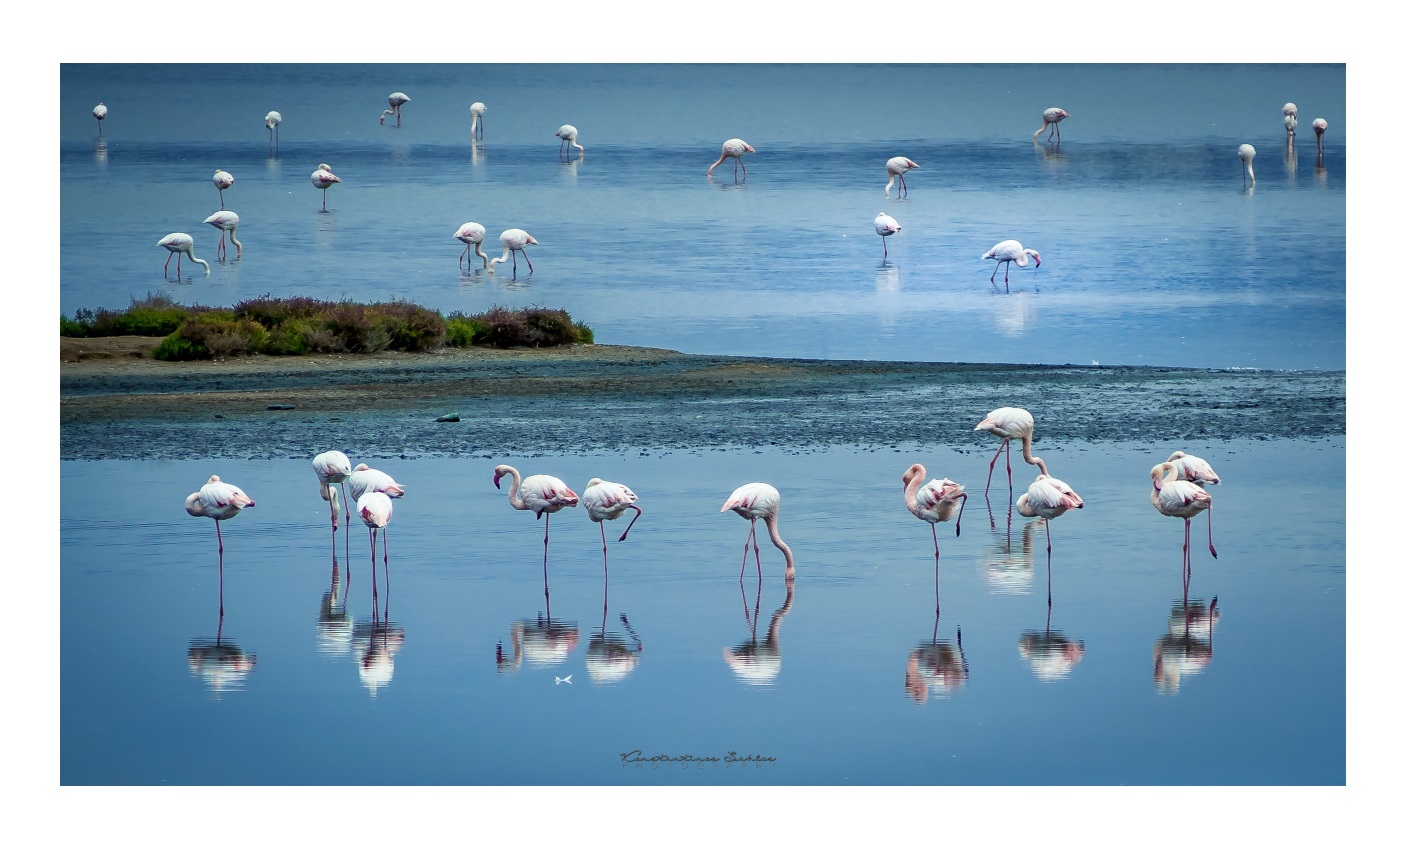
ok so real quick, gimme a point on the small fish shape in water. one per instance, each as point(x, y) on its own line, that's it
point(565, 680)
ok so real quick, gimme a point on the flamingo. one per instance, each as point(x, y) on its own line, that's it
point(223, 181)
point(332, 467)
point(886, 226)
point(1291, 119)
point(1052, 117)
point(374, 507)
point(1193, 469)
point(933, 502)
point(271, 121)
point(1008, 423)
point(567, 134)
point(476, 109)
point(1320, 125)
point(1247, 157)
point(364, 479)
point(760, 500)
point(734, 149)
point(179, 244)
point(1007, 251)
point(1048, 498)
point(606, 501)
point(471, 234)
point(219, 500)
point(227, 221)
point(322, 178)
point(514, 240)
point(539, 493)
point(897, 167)
point(396, 100)
point(1178, 498)
point(100, 112)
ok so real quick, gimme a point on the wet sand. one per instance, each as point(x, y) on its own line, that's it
point(118, 402)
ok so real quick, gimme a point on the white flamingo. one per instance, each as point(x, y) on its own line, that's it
point(223, 181)
point(514, 240)
point(179, 244)
point(567, 134)
point(1008, 423)
point(374, 508)
point(271, 121)
point(1052, 117)
point(606, 501)
point(227, 221)
point(1247, 158)
point(218, 500)
point(886, 226)
point(1048, 498)
point(1177, 498)
point(476, 109)
point(1193, 469)
point(396, 100)
point(100, 112)
point(364, 479)
point(1291, 120)
point(541, 494)
point(471, 234)
point(758, 500)
point(1007, 251)
point(897, 168)
point(322, 178)
point(1320, 125)
point(332, 468)
point(935, 502)
point(734, 149)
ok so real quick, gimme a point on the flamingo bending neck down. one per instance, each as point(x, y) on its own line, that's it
point(100, 112)
point(1178, 498)
point(179, 244)
point(1007, 251)
point(223, 180)
point(374, 508)
point(567, 134)
point(471, 234)
point(1247, 157)
point(332, 468)
point(886, 226)
point(1291, 120)
point(514, 240)
point(1048, 498)
point(897, 167)
point(1008, 423)
point(322, 178)
point(760, 500)
point(1319, 126)
point(396, 100)
point(271, 121)
point(1052, 117)
point(227, 221)
point(476, 109)
point(733, 149)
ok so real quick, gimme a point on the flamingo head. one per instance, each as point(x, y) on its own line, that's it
point(498, 473)
point(1036, 255)
point(916, 471)
point(532, 241)
point(748, 148)
point(1164, 472)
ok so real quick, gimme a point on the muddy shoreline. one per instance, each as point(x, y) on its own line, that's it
point(118, 402)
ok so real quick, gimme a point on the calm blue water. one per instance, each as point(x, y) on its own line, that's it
point(1152, 253)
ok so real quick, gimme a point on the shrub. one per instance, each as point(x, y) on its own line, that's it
point(70, 328)
point(460, 330)
point(221, 335)
point(177, 348)
point(271, 312)
point(155, 316)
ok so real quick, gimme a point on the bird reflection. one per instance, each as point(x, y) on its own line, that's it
point(375, 645)
point(542, 642)
point(1291, 159)
point(100, 151)
point(334, 624)
point(1186, 647)
point(935, 668)
point(1051, 654)
point(886, 279)
point(475, 154)
point(1319, 173)
point(222, 664)
point(610, 657)
point(1010, 570)
point(755, 661)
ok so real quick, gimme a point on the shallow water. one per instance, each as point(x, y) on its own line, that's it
point(1151, 252)
point(315, 693)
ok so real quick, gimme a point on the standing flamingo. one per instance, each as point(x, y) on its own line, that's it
point(539, 493)
point(897, 167)
point(179, 244)
point(396, 100)
point(1048, 498)
point(223, 181)
point(606, 501)
point(886, 226)
point(1320, 125)
point(567, 134)
point(364, 479)
point(100, 112)
point(219, 500)
point(1177, 498)
point(476, 109)
point(227, 221)
point(471, 234)
point(1052, 117)
point(271, 121)
point(1247, 158)
point(934, 502)
point(734, 149)
point(322, 178)
point(760, 500)
point(374, 508)
point(1008, 423)
point(1291, 119)
point(1007, 251)
point(514, 240)
point(332, 468)
point(1193, 469)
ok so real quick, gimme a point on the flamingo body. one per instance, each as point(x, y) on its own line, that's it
point(539, 493)
point(760, 501)
point(1177, 498)
point(1193, 469)
point(1247, 158)
point(476, 110)
point(606, 501)
point(227, 221)
point(223, 180)
point(1052, 117)
point(218, 500)
point(567, 134)
point(322, 178)
point(332, 467)
point(886, 226)
point(100, 112)
point(1008, 251)
point(1048, 498)
point(364, 479)
point(178, 244)
point(897, 167)
point(514, 240)
point(271, 121)
point(1009, 424)
point(396, 100)
point(374, 508)
point(733, 149)
point(471, 234)
point(1320, 125)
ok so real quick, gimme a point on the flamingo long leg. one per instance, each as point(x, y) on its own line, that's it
point(1208, 535)
point(167, 264)
point(745, 542)
point(1005, 445)
point(1049, 545)
point(638, 512)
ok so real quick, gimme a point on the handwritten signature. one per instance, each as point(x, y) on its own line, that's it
point(638, 758)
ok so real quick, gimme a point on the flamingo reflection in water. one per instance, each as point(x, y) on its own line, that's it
point(375, 645)
point(611, 657)
point(1187, 646)
point(539, 642)
point(334, 623)
point(758, 662)
point(1010, 569)
point(219, 662)
point(1050, 654)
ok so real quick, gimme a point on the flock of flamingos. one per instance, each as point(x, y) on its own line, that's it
point(514, 240)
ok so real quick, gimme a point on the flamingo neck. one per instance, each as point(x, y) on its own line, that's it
point(195, 259)
point(780, 615)
point(503, 259)
point(237, 244)
point(1029, 459)
point(513, 497)
point(910, 491)
point(771, 528)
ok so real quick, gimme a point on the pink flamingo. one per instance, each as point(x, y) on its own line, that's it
point(476, 110)
point(1048, 498)
point(1007, 251)
point(322, 178)
point(897, 167)
point(539, 493)
point(606, 501)
point(363, 479)
point(1008, 423)
point(886, 226)
point(396, 100)
point(734, 149)
point(1178, 498)
point(1193, 469)
point(758, 500)
point(227, 221)
point(100, 112)
point(178, 244)
point(514, 240)
point(223, 181)
point(471, 234)
point(374, 507)
point(271, 121)
point(1052, 117)
point(567, 134)
point(1320, 126)
point(934, 502)
point(332, 468)
point(219, 500)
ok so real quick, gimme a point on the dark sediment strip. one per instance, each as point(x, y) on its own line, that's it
point(647, 400)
